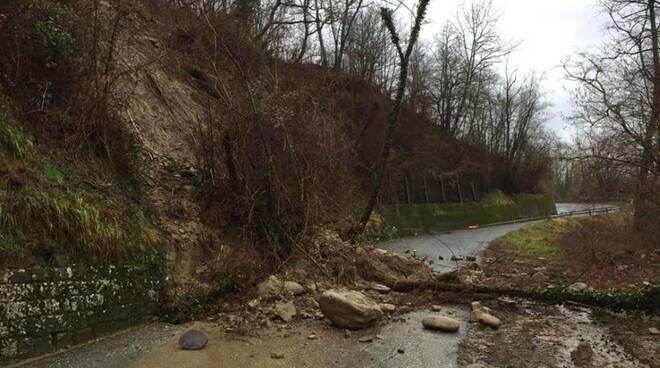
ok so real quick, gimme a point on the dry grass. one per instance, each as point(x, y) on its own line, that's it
point(602, 251)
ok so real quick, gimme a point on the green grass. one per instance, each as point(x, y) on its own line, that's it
point(13, 140)
point(496, 207)
point(46, 213)
point(537, 240)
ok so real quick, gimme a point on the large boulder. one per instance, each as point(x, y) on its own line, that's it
point(349, 309)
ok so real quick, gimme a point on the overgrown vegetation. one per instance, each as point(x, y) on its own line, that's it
point(47, 216)
point(603, 251)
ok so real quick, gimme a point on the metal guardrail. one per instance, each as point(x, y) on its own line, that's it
point(589, 212)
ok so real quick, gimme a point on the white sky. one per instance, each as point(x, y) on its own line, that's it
point(549, 31)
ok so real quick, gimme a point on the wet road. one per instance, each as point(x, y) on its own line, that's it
point(441, 247)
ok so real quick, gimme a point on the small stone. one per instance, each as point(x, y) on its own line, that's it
point(400, 351)
point(654, 331)
point(270, 288)
point(436, 308)
point(347, 334)
point(286, 311)
point(441, 258)
point(294, 288)
point(582, 355)
point(488, 319)
point(476, 305)
point(365, 339)
point(193, 340)
point(471, 258)
point(441, 323)
point(457, 258)
point(383, 289)
point(277, 355)
point(312, 337)
point(253, 304)
point(578, 286)
point(387, 307)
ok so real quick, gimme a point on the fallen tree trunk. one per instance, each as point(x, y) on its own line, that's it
point(643, 300)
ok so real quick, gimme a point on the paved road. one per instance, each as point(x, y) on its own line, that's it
point(441, 247)
point(568, 207)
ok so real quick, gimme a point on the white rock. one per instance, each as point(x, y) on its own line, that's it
point(654, 331)
point(441, 323)
point(349, 309)
point(436, 308)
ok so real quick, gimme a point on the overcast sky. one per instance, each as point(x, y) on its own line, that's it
point(549, 31)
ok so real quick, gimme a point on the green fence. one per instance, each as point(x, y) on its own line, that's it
point(416, 218)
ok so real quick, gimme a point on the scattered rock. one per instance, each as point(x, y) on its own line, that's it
point(654, 331)
point(400, 351)
point(578, 286)
point(269, 288)
point(471, 258)
point(312, 337)
point(457, 258)
point(277, 355)
point(349, 309)
point(582, 355)
point(294, 288)
point(285, 311)
point(441, 258)
point(488, 319)
point(441, 323)
point(193, 340)
point(483, 315)
point(387, 307)
point(365, 339)
point(347, 334)
point(381, 288)
point(253, 304)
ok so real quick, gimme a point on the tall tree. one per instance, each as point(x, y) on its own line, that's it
point(393, 118)
point(619, 97)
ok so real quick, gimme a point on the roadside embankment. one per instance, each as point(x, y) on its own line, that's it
point(409, 219)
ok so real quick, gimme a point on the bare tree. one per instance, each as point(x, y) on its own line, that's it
point(404, 60)
point(619, 95)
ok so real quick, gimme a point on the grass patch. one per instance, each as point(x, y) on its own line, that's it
point(602, 251)
point(538, 240)
point(13, 140)
point(47, 215)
